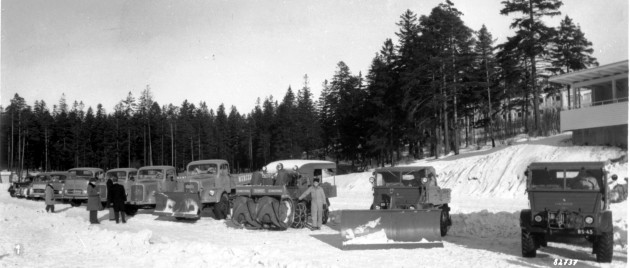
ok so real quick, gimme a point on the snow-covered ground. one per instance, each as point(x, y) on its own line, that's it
point(488, 193)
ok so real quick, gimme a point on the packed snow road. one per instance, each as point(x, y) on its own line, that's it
point(487, 197)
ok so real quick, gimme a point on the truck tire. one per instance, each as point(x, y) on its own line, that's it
point(528, 246)
point(603, 247)
point(286, 213)
point(222, 209)
point(445, 220)
point(131, 210)
point(300, 218)
point(444, 223)
point(540, 240)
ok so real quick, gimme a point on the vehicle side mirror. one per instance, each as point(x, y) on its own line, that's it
point(614, 177)
point(526, 173)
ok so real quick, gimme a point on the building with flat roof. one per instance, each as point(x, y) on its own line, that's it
point(603, 120)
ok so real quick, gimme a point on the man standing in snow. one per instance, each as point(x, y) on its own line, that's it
point(94, 201)
point(118, 198)
point(318, 199)
point(109, 185)
point(49, 194)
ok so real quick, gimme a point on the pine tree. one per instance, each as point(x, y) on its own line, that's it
point(534, 36)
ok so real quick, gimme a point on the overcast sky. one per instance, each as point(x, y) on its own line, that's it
point(229, 52)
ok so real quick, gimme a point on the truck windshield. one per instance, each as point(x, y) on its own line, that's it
point(41, 179)
point(57, 178)
point(83, 174)
point(398, 178)
point(576, 179)
point(150, 174)
point(209, 168)
point(121, 175)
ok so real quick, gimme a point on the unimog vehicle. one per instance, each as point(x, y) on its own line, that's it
point(408, 206)
point(567, 199)
point(75, 188)
point(276, 206)
point(208, 183)
point(150, 181)
point(125, 177)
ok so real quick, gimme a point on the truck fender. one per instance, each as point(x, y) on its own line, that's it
point(526, 218)
point(605, 222)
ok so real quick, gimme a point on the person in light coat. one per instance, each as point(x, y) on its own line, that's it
point(94, 201)
point(49, 197)
point(318, 199)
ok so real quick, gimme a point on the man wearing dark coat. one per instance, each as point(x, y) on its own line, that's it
point(118, 198)
point(257, 178)
point(109, 184)
point(94, 201)
point(282, 176)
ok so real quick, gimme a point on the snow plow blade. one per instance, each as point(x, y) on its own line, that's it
point(385, 229)
point(177, 204)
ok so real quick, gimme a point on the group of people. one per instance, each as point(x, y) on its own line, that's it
point(116, 198)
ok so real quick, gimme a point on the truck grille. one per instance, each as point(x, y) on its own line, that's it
point(137, 192)
point(74, 191)
point(191, 187)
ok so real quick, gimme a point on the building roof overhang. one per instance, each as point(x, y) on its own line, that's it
point(595, 75)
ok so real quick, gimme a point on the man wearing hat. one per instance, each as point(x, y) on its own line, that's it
point(118, 198)
point(93, 201)
point(318, 199)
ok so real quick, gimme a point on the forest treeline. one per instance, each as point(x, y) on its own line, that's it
point(424, 94)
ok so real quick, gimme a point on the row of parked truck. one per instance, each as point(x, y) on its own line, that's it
point(408, 207)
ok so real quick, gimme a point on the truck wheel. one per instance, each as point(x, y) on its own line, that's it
point(131, 210)
point(603, 247)
point(444, 223)
point(75, 203)
point(299, 220)
point(325, 216)
point(528, 246)
point(286, 213)
point(222, 209)
point(540, 240)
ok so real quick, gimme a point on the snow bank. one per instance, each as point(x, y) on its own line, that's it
point(486, 224)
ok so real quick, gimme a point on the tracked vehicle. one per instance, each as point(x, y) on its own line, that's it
point(409, 210)
point(567, 199)
point(275, 205)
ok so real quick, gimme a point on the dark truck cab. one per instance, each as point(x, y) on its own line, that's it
point(567, 199)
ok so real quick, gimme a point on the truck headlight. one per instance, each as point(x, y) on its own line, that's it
point(412, 207)
point(588, 220)
point(377, 207)
point(211, 192)
point(538, 218)
point(425, 180)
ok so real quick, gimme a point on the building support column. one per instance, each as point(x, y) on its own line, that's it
point(614, 90)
